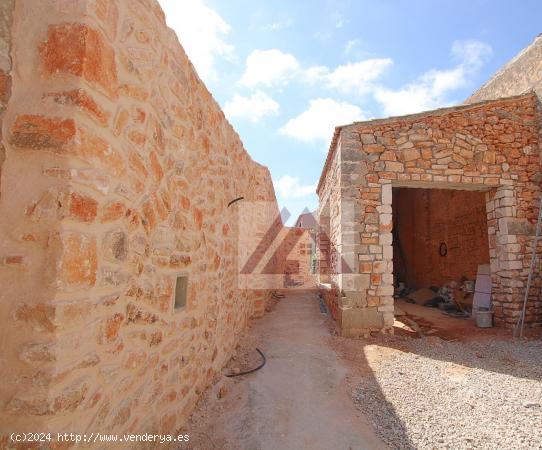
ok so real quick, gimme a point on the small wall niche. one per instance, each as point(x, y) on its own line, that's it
point(181, 289)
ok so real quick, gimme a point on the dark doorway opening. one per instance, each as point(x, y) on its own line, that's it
point(439, 235)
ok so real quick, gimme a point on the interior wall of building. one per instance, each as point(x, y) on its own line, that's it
point(439, 235)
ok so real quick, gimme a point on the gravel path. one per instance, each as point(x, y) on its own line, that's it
point(453, 395)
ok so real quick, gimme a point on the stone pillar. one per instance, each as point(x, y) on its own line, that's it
point(362, 267)
point(323, 247)
point(508, 270)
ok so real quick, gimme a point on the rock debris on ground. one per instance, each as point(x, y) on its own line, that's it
point(456, 395)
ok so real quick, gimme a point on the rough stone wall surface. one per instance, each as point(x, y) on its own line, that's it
point(118, 173)
point(6, 14)
point(491, 146)
point(330, 223)
point(424, 219)
point(329, 236)
point(520, 75)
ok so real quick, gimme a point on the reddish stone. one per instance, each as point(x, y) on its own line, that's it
point(133, 219)
point(137, 164)
point(185, 202)
point(156, 168)
point(374, 148)
point(134, 360)
point(139, 115)
point(13, 260)
point(160, 207)
point(134, 92)
point(164, 294)
point(79, 50)
point(5, 87)
point(155, 338)
point(84, 101)
point(94, 147)
point(149, 216)
point(198, 217)
point(38, 353)
point(42, 133)
point(158, 137)
point(137, 138)
point(108, 13)
point(83, 208)
point(376, 278)
point(75, 312)
point(166, 199)
point(28, 407)
point(112, 327)
point(76, 256)
point(113, 211)
point(71, 397)
point(120, 121)
point(177, 261)
point(41, 316)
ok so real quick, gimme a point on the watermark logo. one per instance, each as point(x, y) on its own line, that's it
point(275, 256)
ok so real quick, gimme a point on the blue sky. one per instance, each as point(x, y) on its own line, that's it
point(287, 72)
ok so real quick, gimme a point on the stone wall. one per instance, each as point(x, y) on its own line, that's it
point(425, 219)
point(520, 75)
point(329, 236)
point(6, 13)
point(491, 147)
point(118, 172)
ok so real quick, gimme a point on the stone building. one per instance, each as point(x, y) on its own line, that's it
point(426, 198)
point(522, 74)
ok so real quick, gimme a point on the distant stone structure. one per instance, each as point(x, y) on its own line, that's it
point(307, 220)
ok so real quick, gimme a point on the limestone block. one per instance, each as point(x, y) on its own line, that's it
point(386, 194)
point(356, 322)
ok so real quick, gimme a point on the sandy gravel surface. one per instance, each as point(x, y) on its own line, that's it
point(454, 395)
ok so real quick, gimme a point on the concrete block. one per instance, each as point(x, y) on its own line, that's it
point(387, 194)
point(355, 322)
point(385, 239)
point(385, 290)
point(387, 252)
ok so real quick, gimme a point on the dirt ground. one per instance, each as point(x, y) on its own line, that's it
point(301, 399)
point(321, 391)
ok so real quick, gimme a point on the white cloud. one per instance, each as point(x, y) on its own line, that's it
point(253, 108)
point(279, 24)
point(276, 68)
point(430, 91)
point(318, 122)
point(202, 33)
point(471, 54)
point(357, 77)
point(269, 67)
point(350, 45)
point(339, 19)
point(290, 187)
